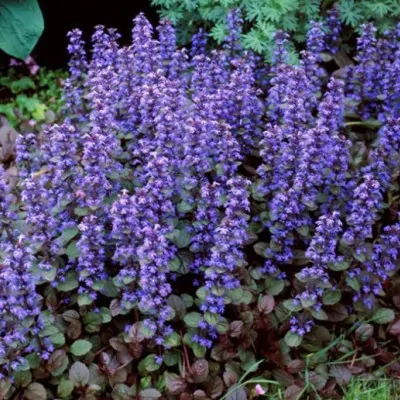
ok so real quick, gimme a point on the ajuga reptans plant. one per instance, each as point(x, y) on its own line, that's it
point(194, 203)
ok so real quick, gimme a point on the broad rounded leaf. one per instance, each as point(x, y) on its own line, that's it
point(292, 339)
point(237, 394)
point(364, 332)
point(65, 388)
point(35, 391)
point(175, 383)
point(266, 304)
point(395, 328)
point(331, 297)
point(192, 319)
point(81, 347)
point(341, 373)
point(21, 24)
point(293, 392)
point(79, 374)
point(149, 394)
point(383, 316)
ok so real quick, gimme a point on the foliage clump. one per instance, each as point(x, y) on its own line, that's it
point(262, 18)
point(31, 96)
point(196, 213)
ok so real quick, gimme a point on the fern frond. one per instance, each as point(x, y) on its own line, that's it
point(289, 22)
point(311, 8)
point(377, 9)
point(252, 10)
point(218, 32)
point(252, 41)
point(350, 12)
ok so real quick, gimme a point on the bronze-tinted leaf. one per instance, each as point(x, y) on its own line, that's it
point(337, 313)
point(175, 383)
point(35, 391)
point(74, 330)
point(56, 360)
point(266, 304)
point(395, 328)
point(200, 370)
point(295, 366)
point(214, 387)
point(235, 328)
point(341, 373)
point(293, 392)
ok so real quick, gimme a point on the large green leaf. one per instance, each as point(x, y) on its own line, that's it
point(21, 24)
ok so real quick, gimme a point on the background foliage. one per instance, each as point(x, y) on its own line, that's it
point(28, 99)
point(263, 17)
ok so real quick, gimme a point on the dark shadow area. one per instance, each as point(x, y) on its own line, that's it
point(63, 15)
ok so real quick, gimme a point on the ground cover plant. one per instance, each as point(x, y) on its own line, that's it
point(200, 220)
point(31, 95)
point(262, 18)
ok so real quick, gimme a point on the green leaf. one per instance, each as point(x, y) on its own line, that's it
point(123, 392)
point(149, 364)
point(84, 300)
point(383, 316)
point(48, 331)
point(22, 378)
point(72, 250)
point(292, 305)
point(58, 339)
point(149, 394)
point(321, 315)
point(80, 347)
point(180, 237)
point(65, 389)
point(274, 286)
point(81, 212)
point(105, 315)
point(260, 248)
point(211, 318)
point(173, 339)
point(339, 266)
point(171, 357)
point(292, 339)
point(22, 84)
point(68, 234)
point(21, 24)
point(79, 374)
point(69, 284)
point(185, 207)
point(35, 391)
point(222, 326)
point(331, 297)
point(192, 319)
point(199, 350)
